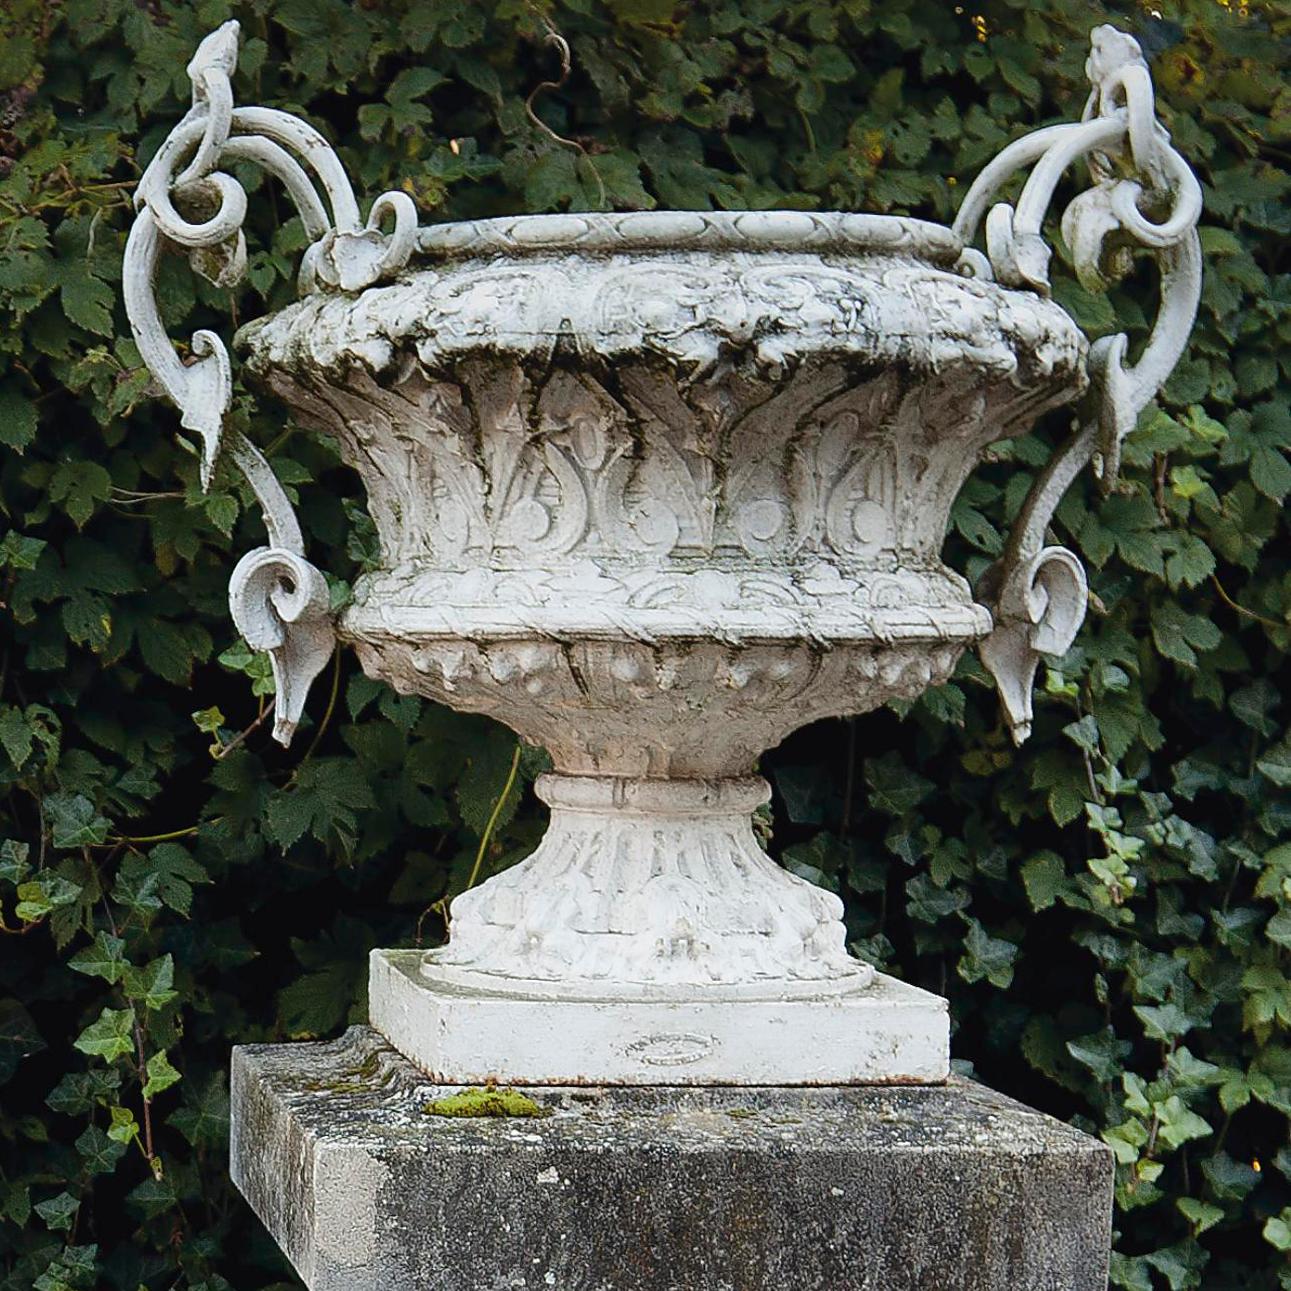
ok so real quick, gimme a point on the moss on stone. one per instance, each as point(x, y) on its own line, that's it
point(489, 1101)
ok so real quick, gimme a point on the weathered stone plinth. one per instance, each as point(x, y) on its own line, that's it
point(934, 1188)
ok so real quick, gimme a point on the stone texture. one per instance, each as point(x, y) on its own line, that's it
point(952, 1188)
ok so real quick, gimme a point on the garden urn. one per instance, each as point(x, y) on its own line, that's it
point(655, 489)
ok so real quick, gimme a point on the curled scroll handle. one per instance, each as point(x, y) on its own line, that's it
point(186, 203)
point(1038, 593)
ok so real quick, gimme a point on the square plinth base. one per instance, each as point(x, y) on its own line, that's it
point(914, 1188)
point(888, 1033)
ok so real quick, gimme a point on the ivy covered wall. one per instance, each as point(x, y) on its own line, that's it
point(1109, 908)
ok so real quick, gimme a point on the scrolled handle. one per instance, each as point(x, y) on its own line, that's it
point(186, 203)
point(1037, 593)
point(1039, 607)
point(280, 604)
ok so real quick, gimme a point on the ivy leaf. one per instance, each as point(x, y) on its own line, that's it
point(987, 957)
point(1271, 472)
point(680, 174)
point(135, 889)
point(80, 487)
point(161, 1075)
point(1181, 1264)
point(1130, 526)
point(1276, 763)
point(87, 301)
point(1231, 1179)
point(1254, 705)
point(153, 1197)
point(1277, 1230)
point(817, 861)
point(929, 903)
point(104, 957)
point(16, 550)
point(1268, 995)
point(74, 1268)
point(1278, 929)
point(1179, 1124)
point(1191, 562)
point(14, 865)
point(324, 801)
point(1044, 876)
point(17, 419)
point(165, 876)
point(74, 820)
point(45, 894)
point(947, 704)
point(82, 1091)
point(176, 873)
point(894, 788)
point(1178, 635)
point(976, 528)
point(1243, 524)
point(1129, 1273)
point(1200, 1214)
point(553, 182)
point(153, 985)
point(124, 1128)
point(620, 172)
point(99, 1153)
point(320, 999)
point(203, 1117)
point(19, 1037)
point(15, 1203)
point(360, 692)
point(16, 735)
point(1084, 733)
point(87, 619)
point(170, 650)
point(110, 1037)
point(58, 1212)
point(1102, 1052)
point(209, 720)
point(1189, 1072)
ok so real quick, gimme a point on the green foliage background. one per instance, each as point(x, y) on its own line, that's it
point(1109, 909)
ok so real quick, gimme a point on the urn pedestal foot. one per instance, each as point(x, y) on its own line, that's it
point(647, 887)
point(952, 1187)
point(886, 1032)
point(650, 940)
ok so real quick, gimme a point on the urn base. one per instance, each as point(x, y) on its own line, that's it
point(886, 1032)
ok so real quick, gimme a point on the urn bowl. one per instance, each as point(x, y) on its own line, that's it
point(658, 488)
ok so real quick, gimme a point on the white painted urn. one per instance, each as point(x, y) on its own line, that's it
point(656, 489)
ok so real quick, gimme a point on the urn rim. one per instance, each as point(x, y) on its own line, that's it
point(607, 233)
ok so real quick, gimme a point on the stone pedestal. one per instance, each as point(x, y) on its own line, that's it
point(660, 1188)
